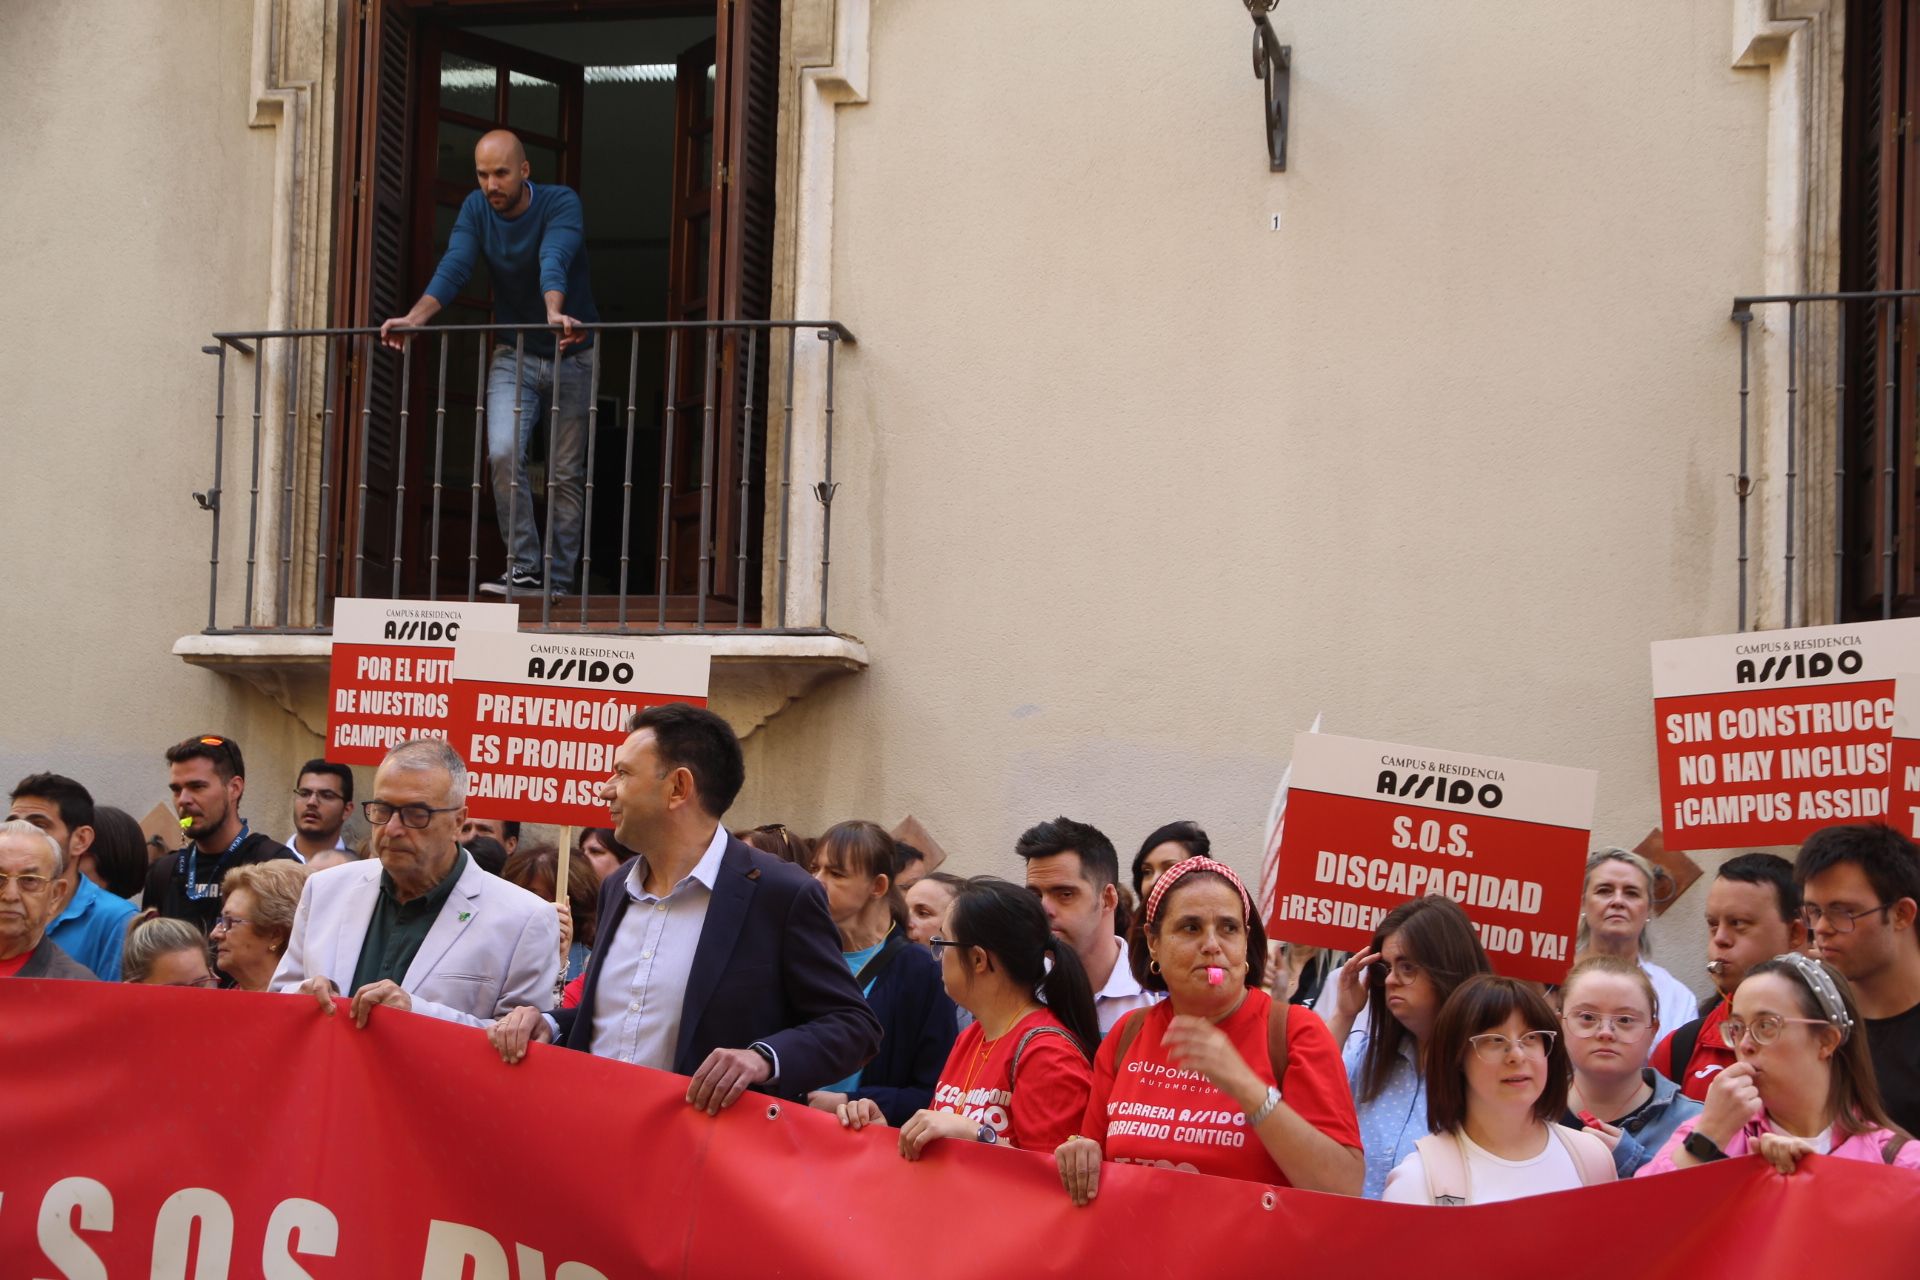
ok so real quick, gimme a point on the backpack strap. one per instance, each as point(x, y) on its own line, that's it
point(877, 963)
point(1277, 1042)
point(1590, 1155)
point(1445, 1163)
point(1013, 1070)
point(1127, 1032)
point(1890, 1152)
point(1680, 1054)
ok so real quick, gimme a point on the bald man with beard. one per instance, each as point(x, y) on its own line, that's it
point(534, 241)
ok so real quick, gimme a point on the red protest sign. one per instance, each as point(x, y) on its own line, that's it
point(1372, 824)
point(391, 671)
point(1765, 737)
point(537, 717)
point(1904, 803)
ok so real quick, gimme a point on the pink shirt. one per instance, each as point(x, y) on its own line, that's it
point(1868, 1147)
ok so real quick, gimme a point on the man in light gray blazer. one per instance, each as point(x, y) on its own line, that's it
point(420, 926)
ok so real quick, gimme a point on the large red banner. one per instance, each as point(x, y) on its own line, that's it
point(537, 716)
point(226, 1134)
point(1372, 824)
point(1763, 738)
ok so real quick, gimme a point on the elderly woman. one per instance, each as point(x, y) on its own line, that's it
point(1607, 1008)
point(1422, 950)
point(256, 919)
point(164, 952)
point(1616, 904)
point(1804, 1081)
point(1497, 1079)
point(1267, 1074)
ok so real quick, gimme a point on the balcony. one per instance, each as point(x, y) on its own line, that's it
point(705, 498)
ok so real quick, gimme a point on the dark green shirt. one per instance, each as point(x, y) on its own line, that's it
point(398, 928)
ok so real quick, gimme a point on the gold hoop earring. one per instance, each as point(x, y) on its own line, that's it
point(1153, 966)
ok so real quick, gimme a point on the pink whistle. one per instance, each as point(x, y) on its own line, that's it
point(1215, 975)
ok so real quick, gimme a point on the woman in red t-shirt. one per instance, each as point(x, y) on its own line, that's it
point(1189, 1083)
point(1018, 1075)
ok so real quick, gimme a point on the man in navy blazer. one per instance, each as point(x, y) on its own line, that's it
point(712, 960)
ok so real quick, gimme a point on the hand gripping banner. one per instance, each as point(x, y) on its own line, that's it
point(179, 1133)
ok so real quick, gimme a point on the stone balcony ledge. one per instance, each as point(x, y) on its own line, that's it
point(755, 674)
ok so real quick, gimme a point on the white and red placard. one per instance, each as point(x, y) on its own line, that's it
point(391, 671)
point(1373, 824)
point(1765, 737)
point(537, 717)
point(1904, 809)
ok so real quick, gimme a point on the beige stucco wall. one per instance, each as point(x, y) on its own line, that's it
point(1135, 486)
point(136, 224)
point(1132, 486)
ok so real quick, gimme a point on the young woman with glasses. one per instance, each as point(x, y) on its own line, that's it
point(1804, 1082)
point(1497, 1078)
point(1422, 951)
point(1607, 1012)
point(1019, 1075)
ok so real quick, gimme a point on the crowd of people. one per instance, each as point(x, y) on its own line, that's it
point(1061, 1011)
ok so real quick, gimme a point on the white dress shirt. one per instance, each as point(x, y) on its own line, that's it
point(643, 974)
point(1122, 994)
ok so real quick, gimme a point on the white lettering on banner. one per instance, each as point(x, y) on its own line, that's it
point(1413, 880)
point(192, 1222)
point(452, 1245)
point(1854, 715)
point(1836, 803)
point(371, 735)
point(555, 713)
point(566, 754)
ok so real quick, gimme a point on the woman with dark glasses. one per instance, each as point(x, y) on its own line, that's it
point(1804, 1082)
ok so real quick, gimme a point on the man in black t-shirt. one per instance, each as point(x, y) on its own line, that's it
point(207, 777)
point(1861, 887)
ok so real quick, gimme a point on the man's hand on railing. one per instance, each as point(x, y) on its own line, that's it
point(571, 334)
point(423, 311)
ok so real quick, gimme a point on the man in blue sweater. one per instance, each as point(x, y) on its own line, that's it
point(533, 240)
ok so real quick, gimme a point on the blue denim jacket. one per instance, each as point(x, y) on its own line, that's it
point(1648, 1127)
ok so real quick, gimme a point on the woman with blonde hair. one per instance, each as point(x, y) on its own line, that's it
point(250, 935)
point(1616, 906)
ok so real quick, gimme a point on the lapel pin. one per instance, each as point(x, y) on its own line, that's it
point(465, 916)
point(754, 874)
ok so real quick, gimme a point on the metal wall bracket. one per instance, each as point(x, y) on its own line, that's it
point(1273, 66)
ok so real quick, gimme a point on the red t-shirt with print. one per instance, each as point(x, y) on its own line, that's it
point(1147, 1111)
point(1710, 1056)
point(15, 964)
point(1036, 1111)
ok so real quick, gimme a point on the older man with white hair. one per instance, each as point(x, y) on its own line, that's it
point(31, 865)
point(419, 925)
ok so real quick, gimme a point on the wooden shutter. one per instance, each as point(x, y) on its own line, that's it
point(750, 56)
point(1881, 251)
point(371, 280)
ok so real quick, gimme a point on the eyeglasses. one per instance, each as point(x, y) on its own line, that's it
point(1403, 971)
point(203, 983)
point(1626, 1025)
point(1764, 1029)
point(29, 886)
point(1839, 919)
point(311, 793)
point(230, 922)
point(937, 942)
point(1494, 1047)
point(417, 816)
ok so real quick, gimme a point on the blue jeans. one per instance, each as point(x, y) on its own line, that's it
point(507, 456)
